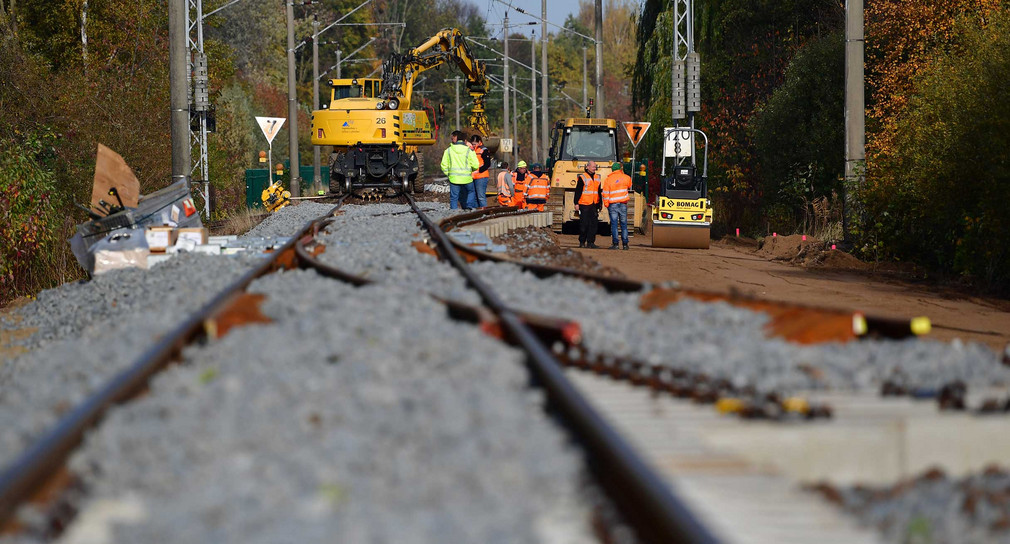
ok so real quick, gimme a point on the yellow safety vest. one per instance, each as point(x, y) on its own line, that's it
point(458, 162)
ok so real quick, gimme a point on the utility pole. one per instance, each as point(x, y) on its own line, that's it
point(585, 80)
point(317, 178)
point(295, 187)
point(339, 61)
point(855, 122)
point(544, 119)
point(599, 58)
point(178, 61)
point(456, 80)
point(534, 151)
point(515, 119)
point(505, 79)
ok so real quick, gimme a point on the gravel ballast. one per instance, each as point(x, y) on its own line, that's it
point(729, 342)
point(88, 331)
point(359, 415)
point(933, 507)
point(374, 242)
point(288, 220)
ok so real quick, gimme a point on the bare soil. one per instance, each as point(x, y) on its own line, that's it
point(787, 269)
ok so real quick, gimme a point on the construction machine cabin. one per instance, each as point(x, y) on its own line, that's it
point(373, 128)
point(575, 142)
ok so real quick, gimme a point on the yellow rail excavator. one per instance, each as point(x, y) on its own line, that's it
point(374, 131)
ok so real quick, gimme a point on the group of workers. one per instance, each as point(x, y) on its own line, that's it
point(613, 193)
point(467, 163)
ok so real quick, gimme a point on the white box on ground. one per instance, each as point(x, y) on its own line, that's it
point(198, 235)
point(159, 238)
point(111, 259)
point(209, 249)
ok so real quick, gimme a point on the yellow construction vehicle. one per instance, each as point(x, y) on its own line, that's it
point(575, 142)
point(375, 133)
point(682, 214)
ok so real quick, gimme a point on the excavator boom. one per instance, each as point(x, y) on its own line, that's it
point(400, 71)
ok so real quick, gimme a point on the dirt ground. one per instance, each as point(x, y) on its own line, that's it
point(813, 278)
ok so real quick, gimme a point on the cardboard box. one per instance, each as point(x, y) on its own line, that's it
point(196, 234)
point(160, 239)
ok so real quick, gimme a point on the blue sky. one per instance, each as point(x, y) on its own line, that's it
point(557, 11)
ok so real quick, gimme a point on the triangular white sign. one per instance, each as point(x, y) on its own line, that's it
point(270, 126)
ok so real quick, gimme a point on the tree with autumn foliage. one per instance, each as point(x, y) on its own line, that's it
point(938, 165)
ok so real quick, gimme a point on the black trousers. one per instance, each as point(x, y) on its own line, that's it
point(588, 223)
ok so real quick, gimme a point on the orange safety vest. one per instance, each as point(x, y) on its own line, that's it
point(615, 188)
point(590, 189)
point(539, 188)
point(477, 174)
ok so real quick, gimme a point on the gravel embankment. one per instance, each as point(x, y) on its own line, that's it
point(374, 241)
point(716, 339)
point(359, 415)
point(88, 331)
point(540, 246)
point(933, 508)
point(288, 220)
point(729, 342)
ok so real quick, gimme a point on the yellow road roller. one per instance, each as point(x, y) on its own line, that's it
point(682, 214)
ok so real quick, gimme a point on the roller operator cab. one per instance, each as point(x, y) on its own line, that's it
point(374, 142)
point(575, 142)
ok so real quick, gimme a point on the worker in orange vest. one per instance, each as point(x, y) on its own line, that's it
point(616, 194)
point(538, 188)
point(520, 180)
point(483, 173)
point(506, 190)
point(587, 196)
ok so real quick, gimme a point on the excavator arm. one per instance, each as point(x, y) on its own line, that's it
point(400, 71)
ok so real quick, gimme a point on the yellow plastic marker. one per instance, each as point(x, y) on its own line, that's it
point(921, 326)
point(859, 327)
point(729, 405)
point(798, 405)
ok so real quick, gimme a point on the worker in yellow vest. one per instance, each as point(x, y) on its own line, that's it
point(587, 196)
point(483, 174)
point(537, 189)
point(458, 163)
point(519, 180)
point(616, 194)
point(506, 189)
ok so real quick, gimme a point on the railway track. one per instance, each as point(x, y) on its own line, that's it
point(651, 501)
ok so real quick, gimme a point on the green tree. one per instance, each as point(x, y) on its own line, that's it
point(799, 132)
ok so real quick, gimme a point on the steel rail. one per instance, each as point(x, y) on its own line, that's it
point(44, 459)
point(641, 495)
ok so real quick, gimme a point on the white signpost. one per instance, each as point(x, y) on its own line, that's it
point(270, 127)
point(678, 142)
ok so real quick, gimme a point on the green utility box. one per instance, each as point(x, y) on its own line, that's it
point(257, 179)
point(639, 183)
